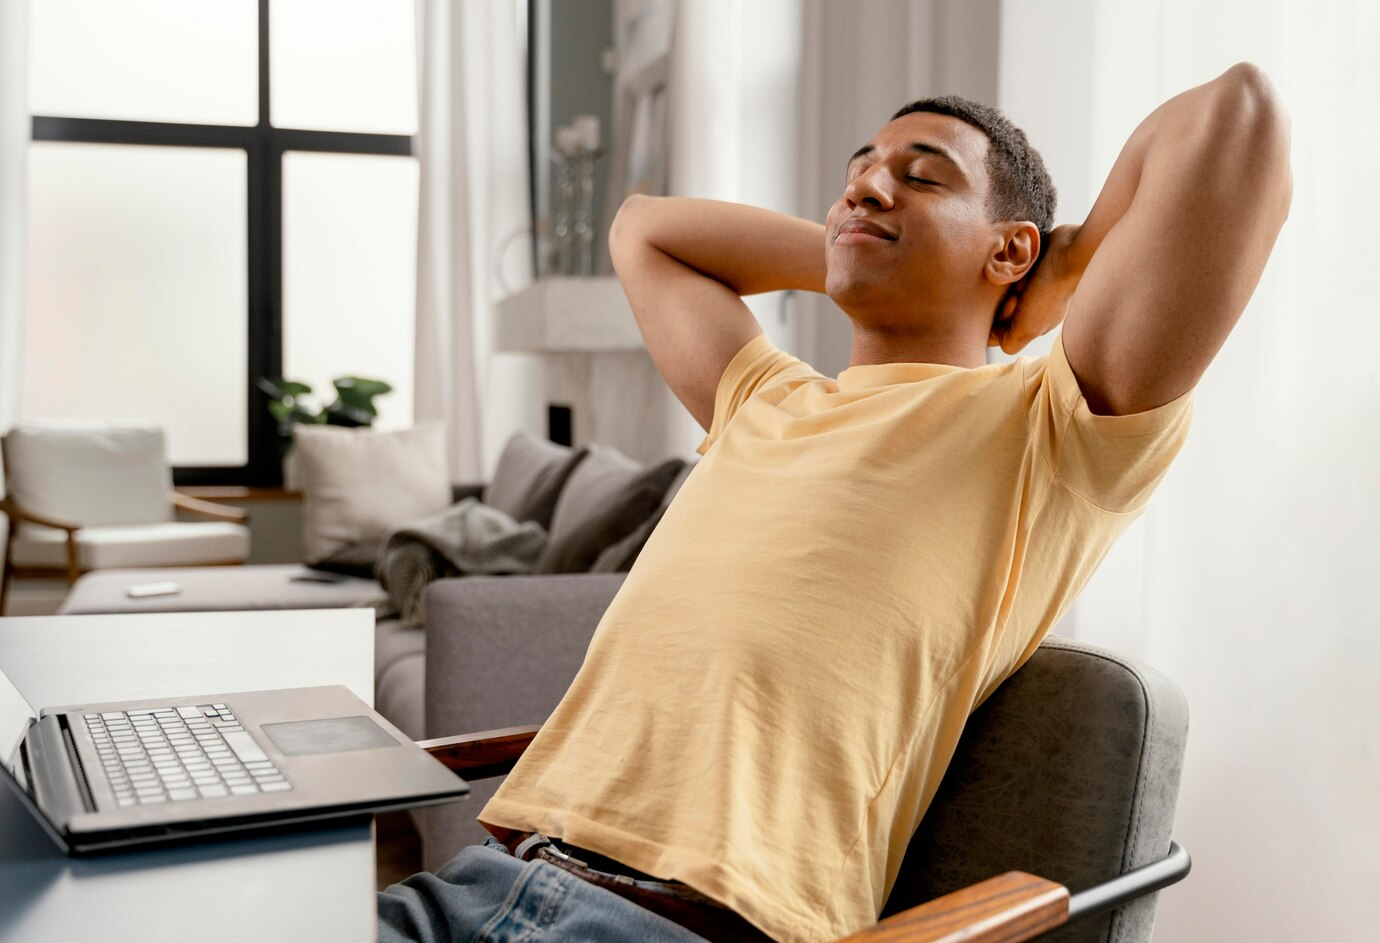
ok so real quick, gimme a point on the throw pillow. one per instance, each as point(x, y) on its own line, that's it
point(607, 497)
point(358, 484)
point(530, 475)
point(619, 557)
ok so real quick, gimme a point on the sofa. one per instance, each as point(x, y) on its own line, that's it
point(597, 506)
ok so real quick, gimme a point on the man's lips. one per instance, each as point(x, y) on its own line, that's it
point(857, 229)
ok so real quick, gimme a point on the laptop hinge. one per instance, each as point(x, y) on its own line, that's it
point(54, 783)
point(76, 765)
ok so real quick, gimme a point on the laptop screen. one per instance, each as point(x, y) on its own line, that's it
point(15, 717)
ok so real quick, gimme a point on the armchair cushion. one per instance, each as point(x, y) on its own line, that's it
point(529, 478)
point(607, 497)
point(360, 483)
point(134, 545)
point(90, 473)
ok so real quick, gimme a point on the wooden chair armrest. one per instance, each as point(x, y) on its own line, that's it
point(19, 514)
point(481, 755)
point(1008, 908)
point(219, 512)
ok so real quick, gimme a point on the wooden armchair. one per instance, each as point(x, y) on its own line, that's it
point(86, 496)
point(1007, 908)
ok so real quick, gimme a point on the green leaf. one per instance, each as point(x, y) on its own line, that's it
point(361, 386)
point(282, 389)
point(341, 414)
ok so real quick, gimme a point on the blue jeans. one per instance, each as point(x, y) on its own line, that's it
point(485, 895)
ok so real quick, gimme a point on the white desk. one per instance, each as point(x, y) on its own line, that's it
point(316, 885)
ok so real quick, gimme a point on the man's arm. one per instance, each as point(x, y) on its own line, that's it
point(1153, 282)
point(684, 265)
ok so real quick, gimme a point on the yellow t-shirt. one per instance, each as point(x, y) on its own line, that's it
point(767, 707)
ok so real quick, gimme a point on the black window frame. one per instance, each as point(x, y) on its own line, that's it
point(265, 146)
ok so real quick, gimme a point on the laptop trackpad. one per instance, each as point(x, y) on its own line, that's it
point(333, 735)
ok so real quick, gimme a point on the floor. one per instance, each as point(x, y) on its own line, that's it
point(35, 597)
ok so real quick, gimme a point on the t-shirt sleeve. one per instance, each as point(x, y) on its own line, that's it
point(1113, 462)
point(759, 365)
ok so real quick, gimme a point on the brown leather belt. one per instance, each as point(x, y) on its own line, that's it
point(675, 901)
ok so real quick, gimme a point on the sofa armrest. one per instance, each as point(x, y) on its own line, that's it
point(502, 650)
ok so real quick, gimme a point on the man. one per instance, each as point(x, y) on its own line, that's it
point(768, 705)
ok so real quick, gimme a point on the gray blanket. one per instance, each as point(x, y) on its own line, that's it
point(464, 539)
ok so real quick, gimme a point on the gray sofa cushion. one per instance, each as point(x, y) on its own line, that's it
point(393, 642)
point(501, 651)
point(604, 501)
point(619, 557)
point(530, 476)
point(398, 694)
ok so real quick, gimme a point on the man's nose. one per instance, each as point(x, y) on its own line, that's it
point(871, 187)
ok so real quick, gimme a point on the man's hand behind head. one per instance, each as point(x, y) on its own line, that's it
point(1037, 303)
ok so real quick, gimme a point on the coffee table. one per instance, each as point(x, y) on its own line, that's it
point(218, 589)
point(293, 886)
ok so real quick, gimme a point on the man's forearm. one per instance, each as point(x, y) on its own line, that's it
point(1211, 130)
point(750, 250)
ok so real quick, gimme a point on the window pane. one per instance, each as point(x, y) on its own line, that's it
point(350, 274)
point(137, 292)
point(343, 65)
point(145, 60)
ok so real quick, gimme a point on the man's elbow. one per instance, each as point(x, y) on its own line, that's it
point(1251, 110)
point(627, 225)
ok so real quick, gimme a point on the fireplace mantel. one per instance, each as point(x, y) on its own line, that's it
point(567, 314)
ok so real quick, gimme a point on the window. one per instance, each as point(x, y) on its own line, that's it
point(208, 207)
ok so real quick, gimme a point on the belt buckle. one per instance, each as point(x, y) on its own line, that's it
point(555, 852)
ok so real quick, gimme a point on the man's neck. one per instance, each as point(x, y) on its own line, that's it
point(873, 346)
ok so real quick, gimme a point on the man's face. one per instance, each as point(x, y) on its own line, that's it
point(911, 228)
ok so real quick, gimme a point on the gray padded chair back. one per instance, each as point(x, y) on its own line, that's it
point(1070, 771)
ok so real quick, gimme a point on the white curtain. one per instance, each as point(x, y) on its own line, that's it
point(14, 158)
point(14, 150)
point(475, 207)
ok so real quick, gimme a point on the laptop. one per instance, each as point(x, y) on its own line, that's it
point(108, 776)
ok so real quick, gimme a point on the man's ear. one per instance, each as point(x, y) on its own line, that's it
point(1015, 255)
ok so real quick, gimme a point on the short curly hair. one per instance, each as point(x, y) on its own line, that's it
point(1021, 187)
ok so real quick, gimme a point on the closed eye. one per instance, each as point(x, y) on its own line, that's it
point(923, 180)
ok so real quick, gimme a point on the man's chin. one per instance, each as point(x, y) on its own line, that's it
point(851, 290)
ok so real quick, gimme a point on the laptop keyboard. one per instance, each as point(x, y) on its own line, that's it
point(174, 754)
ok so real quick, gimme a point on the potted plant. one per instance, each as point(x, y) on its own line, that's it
point(353, 406)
